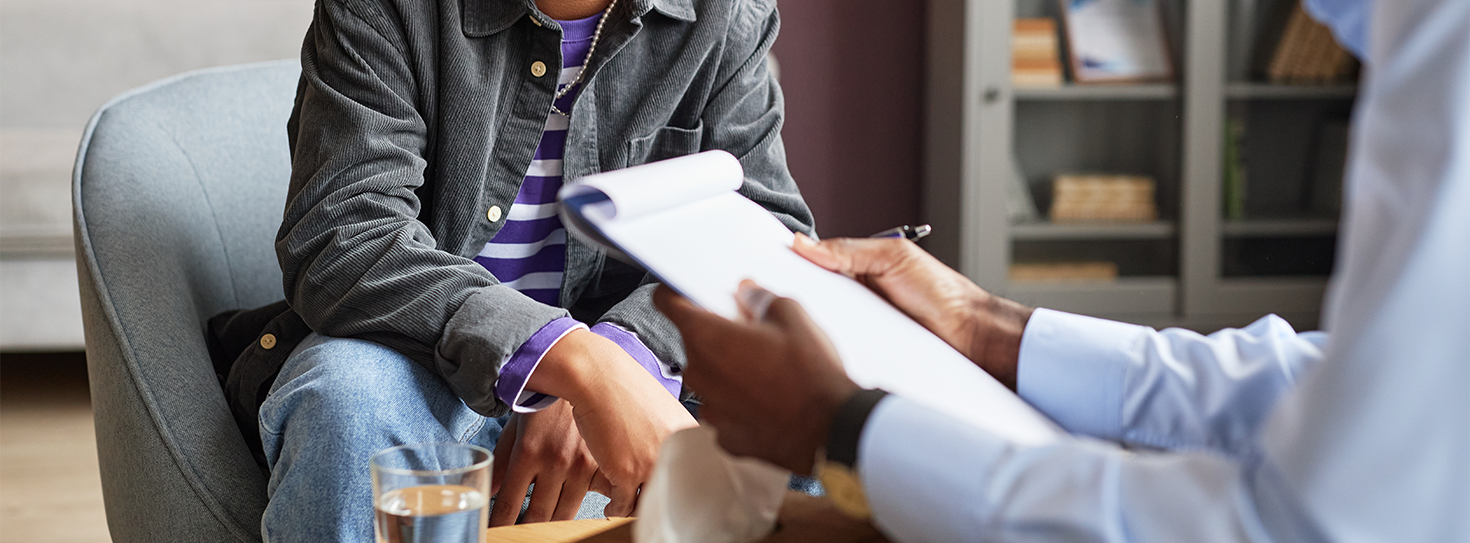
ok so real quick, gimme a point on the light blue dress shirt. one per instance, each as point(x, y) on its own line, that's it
point(1348, 20)
point(1262, 433)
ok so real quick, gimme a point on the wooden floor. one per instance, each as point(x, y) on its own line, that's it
point(49, 487)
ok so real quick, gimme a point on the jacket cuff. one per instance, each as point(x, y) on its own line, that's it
point(511, 387)
point(634, 347)
point(1072, 368)
point(480, 339)
point(636, 314)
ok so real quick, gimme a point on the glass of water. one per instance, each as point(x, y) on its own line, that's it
point(431, 493)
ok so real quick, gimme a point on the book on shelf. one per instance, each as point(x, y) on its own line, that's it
point(1103, 198)
point(1063, 272)
point(1294, 48)
point(1035, 53)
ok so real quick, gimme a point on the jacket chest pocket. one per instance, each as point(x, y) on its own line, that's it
point(664, 143)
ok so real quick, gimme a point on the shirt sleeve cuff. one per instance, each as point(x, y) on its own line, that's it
point(630, 343)
point(517, 372)
point(916, 464)
point(1072, 368)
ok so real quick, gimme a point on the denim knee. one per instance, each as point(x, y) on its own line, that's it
point(357, 391)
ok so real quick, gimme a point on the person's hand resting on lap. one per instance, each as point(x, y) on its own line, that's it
point(545, 448)
point(603, 435)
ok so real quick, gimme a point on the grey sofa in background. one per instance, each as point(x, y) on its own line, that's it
point(177, 193)
point(59, 61)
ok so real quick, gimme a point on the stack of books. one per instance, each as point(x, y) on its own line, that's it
point(1307, 53)
point(1103, 198)
point(1035, 54)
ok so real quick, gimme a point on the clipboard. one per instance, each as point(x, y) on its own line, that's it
point(684, 221)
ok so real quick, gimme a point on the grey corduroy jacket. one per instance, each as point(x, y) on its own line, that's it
point(414, 117)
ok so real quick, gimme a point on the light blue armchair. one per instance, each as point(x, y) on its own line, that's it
point(178, 191)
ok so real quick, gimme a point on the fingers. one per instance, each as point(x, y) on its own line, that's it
point(676, 307)
point(753, 300)
point(817, 253)
point(761, 305)
point(600, 484)
point(501, 459)
point(856, 257)
point(623, 500)
point(691, 320)
point(572, 492)
point(512, 494)
point(544, 498)
point(788, 314)
point(574, 489)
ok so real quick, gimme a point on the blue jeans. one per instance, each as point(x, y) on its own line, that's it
point(337, 402)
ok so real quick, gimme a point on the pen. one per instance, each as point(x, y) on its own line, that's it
point(911, 233)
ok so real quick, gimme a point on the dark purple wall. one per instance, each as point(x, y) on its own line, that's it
point(853, 73)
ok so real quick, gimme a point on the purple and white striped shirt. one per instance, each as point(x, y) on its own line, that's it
point(529, 252)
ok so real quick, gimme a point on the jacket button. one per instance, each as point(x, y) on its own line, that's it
point(268, 341)
point(493, 214)
point(538, 68)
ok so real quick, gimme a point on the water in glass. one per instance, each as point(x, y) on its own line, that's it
point(432, 514)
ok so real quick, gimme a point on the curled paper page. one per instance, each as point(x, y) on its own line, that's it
point(631, 193)
point(639, 190)
point(701, 494)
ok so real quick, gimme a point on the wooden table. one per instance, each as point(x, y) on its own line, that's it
point(802, 518)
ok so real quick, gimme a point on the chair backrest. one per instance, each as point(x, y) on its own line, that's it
point(178, 191)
